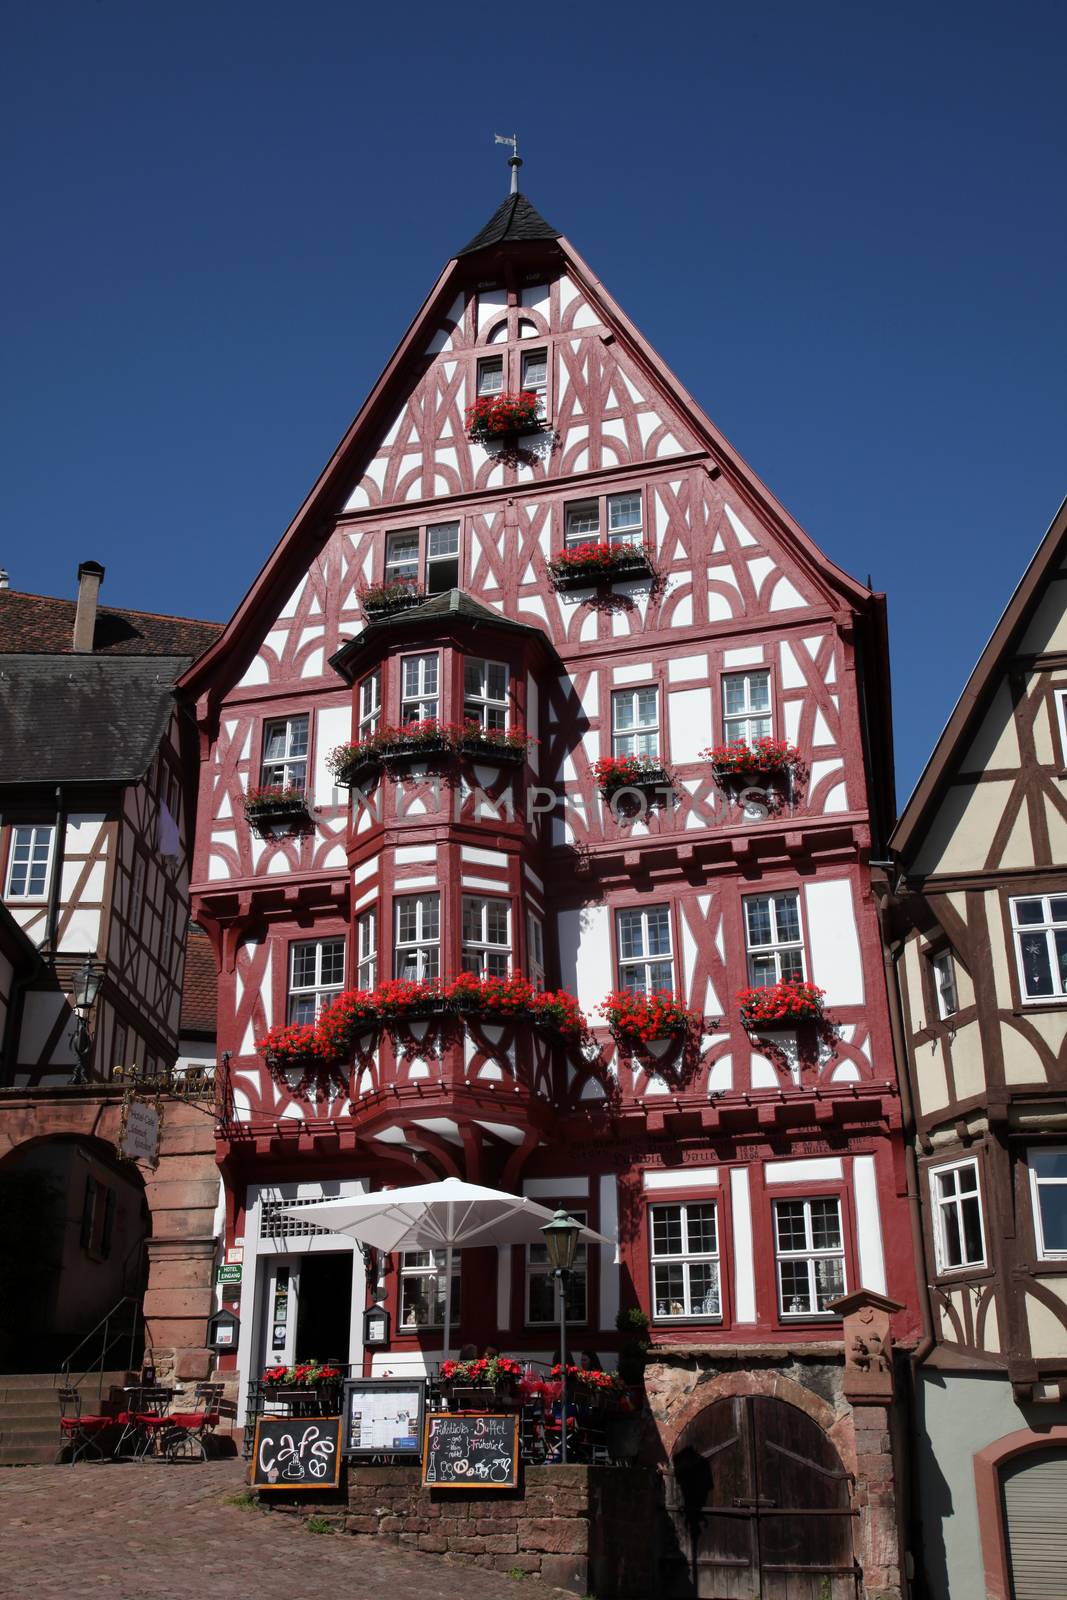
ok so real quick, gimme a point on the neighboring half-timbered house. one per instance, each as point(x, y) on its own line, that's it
point(976, 917)
point(97, 802)
point(597, 571)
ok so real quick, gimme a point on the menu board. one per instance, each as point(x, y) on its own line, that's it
point(383, 1416)
point(471, 1450)
point(297, 1453)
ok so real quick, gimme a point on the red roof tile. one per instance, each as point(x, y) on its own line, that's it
point(200, 990)
point(39, 624)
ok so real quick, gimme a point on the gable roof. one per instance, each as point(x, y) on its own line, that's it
point(200, 986)
point(312, 525)
point(514, 221)
point(83, 718)
point(42, 624)
point(980, 686)
point(431, 612)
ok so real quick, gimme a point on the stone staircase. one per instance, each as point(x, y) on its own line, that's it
point(29, 1413)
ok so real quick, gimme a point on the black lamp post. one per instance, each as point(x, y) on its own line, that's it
point(86, 984)
point(561, 1242)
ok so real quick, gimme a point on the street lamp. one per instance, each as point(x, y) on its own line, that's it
point(86, 984)
point(561, 1242)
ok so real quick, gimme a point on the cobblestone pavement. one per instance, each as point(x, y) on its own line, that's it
point(133, 1531)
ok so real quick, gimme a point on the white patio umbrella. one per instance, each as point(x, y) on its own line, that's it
point(435, 1216)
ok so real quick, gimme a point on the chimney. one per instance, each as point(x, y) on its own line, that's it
point(90, 577)
point(4, 584)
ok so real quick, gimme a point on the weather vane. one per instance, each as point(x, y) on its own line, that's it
point(514, 159)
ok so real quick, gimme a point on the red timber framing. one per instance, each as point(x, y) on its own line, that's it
point(736, 591)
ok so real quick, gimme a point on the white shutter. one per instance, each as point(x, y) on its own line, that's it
point(1035, 1512)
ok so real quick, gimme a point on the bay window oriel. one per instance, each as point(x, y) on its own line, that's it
point(417, 936)
point(486, 935)
point(419, 687)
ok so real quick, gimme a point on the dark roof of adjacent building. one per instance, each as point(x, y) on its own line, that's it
point(35, 624)
point(513, 222)
point(434, 610)
point(83, 718)
point(200, 985)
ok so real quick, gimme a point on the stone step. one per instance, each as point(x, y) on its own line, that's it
point(29, 1455)
point(28, 1433)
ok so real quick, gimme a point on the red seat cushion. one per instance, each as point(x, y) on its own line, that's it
point(194, 1419)
point(149, 1419)
point(86, 1424)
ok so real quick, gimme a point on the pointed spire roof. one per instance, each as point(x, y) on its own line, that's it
point(513, 222)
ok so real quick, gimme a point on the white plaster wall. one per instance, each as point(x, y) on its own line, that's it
point(333, 725)
point(584, 943)
point(836, 963)
point(690, 723)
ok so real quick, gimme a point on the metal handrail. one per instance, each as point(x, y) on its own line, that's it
point(67, 1382)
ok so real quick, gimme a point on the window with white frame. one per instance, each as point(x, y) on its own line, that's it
point(316, 976)
point(535, 377)
point(535, 950)
point(285, 752)
point(136, 891)
point(402, 556)
point(773, 938)
point(423, 1276)
point(370, 705)
point(1040, 925)
point(1048, 1189)
point(581, 521)
point(959, 1239)
point(491, 375)
point(646, 962)
point(418, 687)
point(684, 1247)
point(635, 722)
point(486, 935)
point(943, 969)
point(30, 864)
point(746, 706)
point(417, 928)
point(367, 949)
point(442, 557)
point(624, 517)
point(542, 1287)
point(810, 1253)
point(485, 693)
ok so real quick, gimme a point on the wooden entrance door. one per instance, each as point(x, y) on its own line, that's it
point(757, 1508)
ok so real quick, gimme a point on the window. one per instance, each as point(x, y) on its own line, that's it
point(491, 375)
point(535, 950)
point(366, 950)
point(621, 512)
point(535, 377)
point(746, 706)
point(285, 752)
point(811, 1256)
point(957, 1205)
point(685, 1260)
point(645, 961)
point(1040, 925)
point(316, 976)
point(485, 693)
point(1048, 1185)
point(773, 938)
point(542, 1287)
point(418, 687)
point(31, 862)
point(486, 936)
point(402, 556)
point(370, 705)
point(422, 1288)
point(442, 557)
point(635, 722)
point(418, 936)
point(136, 891)
point(944, 974)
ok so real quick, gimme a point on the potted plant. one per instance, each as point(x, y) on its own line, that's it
point(393, 594)
point(557, 1012)
point(294, 1047)
point(480, 1381)
point(739, 764)
point(780, 1005)
point(499, 745)
point(638, 1020)
point(399, 1000)
point(595, 562)
point(426, 737)
point(615, 773)
point(481, 995)
point(502, 416)
point(340, 1024)
point(276, 807)
point(347, 763)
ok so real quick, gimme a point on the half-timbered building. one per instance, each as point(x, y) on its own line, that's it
point(976, 917)
point(97, 796)
point(410, 732)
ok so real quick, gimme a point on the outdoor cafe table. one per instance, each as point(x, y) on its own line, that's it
point(142, 1417)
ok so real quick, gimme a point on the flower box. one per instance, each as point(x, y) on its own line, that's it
point(743, 765)
point(386, 599)
point(294, 1047)
point(637, 1020)
point(473, 1385)
point(585, 566)
point(780, 1006)
point(495, 752)
point(614, 773)
point(275, 807)
point(504, 416)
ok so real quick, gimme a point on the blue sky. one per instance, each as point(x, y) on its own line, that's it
point(842, 226)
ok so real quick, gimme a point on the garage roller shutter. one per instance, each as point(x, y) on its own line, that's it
point(1035, 1514)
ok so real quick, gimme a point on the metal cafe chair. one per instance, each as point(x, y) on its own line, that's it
point(78, 1432)
point(144, 1421)
point(184, 1433)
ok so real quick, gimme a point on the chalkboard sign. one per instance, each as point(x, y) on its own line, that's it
point(383, 1416)
point(297, 1453)
point(471, 1450)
